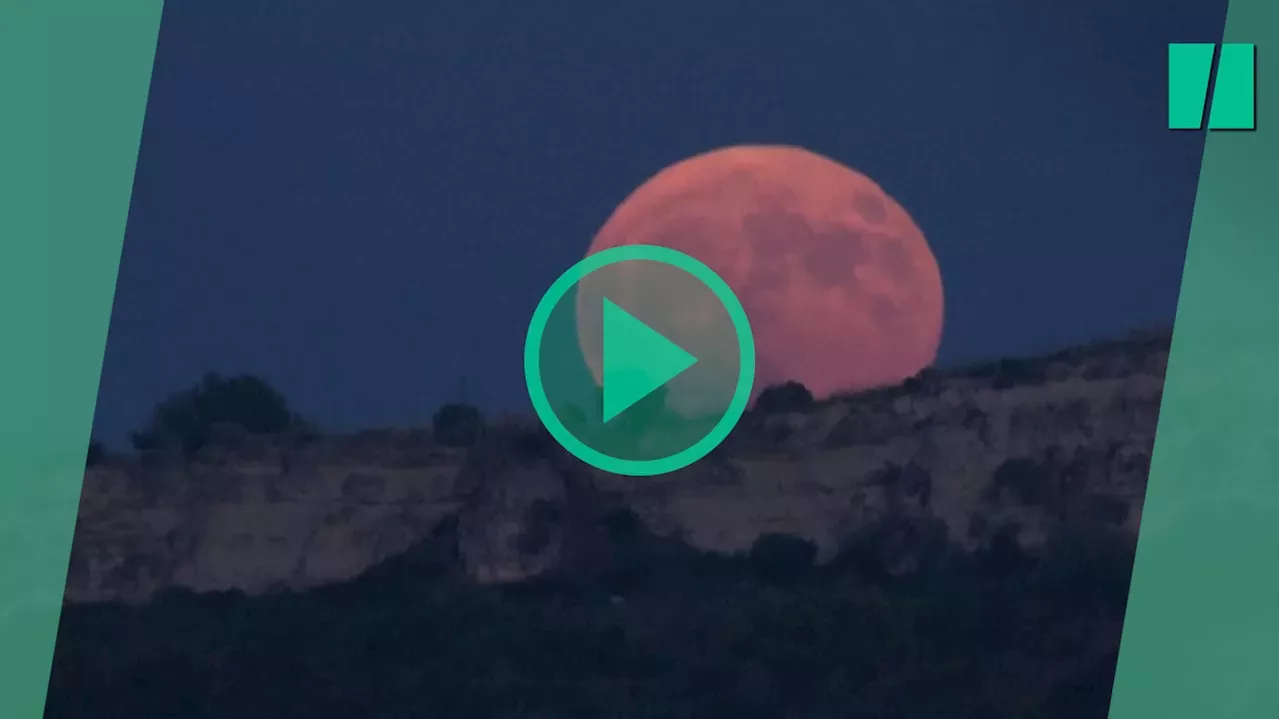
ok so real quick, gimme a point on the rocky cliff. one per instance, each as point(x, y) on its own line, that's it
point(1020, 444)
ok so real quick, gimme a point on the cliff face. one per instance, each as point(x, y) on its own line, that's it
point(1030, 442)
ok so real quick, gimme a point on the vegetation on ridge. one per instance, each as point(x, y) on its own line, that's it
point(657, 630)
point(221, 411)
point(218, 409)
point(902, 622)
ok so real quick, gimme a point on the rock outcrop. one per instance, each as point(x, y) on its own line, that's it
point(971, 452)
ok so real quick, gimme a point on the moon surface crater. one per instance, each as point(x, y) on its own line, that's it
point(840, 285)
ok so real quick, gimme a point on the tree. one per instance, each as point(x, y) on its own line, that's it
point(782, 558)
point(785, 397)
point(919, 382)
point(457, 425)
point(1029, 483)
point(188, 419)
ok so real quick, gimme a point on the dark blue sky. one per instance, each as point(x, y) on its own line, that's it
point(363, 201)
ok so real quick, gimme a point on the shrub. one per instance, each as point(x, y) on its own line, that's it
point(622, 526)
point(188, 418)
point(905, 482)
point(1009, 633)
point(912, 385)
point(1027, 482)
point(785, 397)
point(457, 425)
point(782, 558)
point(228, 435)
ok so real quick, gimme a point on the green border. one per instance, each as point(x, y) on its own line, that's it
point(1198, 637)
point(1201, 629)
point(73, 86)
point(741, 391)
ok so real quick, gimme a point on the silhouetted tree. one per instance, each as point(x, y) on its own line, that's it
point(457, 425)
point(188, 418)
point(785, 397)
point(782, 558)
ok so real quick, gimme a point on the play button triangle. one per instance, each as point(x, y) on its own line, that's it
point(637, 360)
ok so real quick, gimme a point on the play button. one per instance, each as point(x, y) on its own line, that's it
point(639, 360)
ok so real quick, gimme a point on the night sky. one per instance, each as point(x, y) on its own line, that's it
point(363, 201)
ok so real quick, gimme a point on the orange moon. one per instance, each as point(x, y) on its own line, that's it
point(840, 285)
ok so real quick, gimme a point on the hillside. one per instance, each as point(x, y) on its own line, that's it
point(653, 629)
point(1010, 448)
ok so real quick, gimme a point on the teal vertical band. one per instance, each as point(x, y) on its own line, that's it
point(1200, 634)
point(1232, 107)
point(1190, 65)
point(73, 87)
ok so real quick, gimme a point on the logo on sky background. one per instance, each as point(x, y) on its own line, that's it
point(1192, 70)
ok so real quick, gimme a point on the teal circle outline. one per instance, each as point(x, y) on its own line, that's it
point(533, 361)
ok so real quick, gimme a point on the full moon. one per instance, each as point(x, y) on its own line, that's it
point(840, 285)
